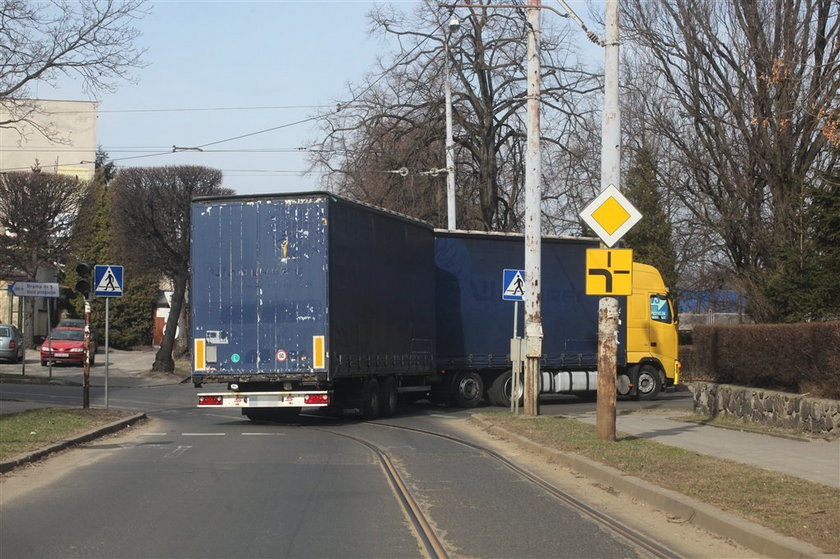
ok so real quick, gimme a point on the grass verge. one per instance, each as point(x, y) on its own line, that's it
point(35, 429)
point(791, 506)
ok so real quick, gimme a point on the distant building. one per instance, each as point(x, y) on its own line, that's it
point(70, 149)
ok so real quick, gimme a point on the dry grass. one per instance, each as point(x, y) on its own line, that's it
point(791, 506)
point(35, 429)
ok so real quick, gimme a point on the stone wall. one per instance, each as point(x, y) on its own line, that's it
point(778, 409)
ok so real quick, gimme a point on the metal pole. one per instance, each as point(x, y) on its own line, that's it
point(533, 226)
point(450, 143)
point(516, 364)
point(22, 322)
point(610, 174)
point(49, 333)
point(107, 323)
point(86, 385)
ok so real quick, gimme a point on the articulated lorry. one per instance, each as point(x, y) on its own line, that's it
point(310, 300)
point(475, 325)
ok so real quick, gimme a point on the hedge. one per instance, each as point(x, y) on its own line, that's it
point(799, 358)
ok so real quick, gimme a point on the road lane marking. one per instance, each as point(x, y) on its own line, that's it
point(203, 434)
point(179, 450)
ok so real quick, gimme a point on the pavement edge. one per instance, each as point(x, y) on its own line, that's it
point(30, 457)
point(753, 536)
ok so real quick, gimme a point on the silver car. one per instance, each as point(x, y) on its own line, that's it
point(11, 343)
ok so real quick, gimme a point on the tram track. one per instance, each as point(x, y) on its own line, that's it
point(430, 540)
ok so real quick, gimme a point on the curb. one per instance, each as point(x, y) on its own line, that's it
point(36, 455)
point(753, 536)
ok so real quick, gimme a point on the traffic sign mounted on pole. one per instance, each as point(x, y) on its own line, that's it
point(33, 289)
point(610, 215)
point(108, 280)
point(609, 271)
point(513, 285)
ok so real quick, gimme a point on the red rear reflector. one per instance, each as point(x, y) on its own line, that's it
point(209, 400)
point(316, 399)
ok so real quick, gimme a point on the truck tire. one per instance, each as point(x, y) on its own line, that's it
point(648, 383)
point(467, 389)
point(388, 397)
point(370, 399)
point(499, 392)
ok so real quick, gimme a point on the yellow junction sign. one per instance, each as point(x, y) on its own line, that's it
point(609, 271)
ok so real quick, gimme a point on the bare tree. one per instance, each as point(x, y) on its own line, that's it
point(740, 94)
point(151, 218)
point(40, 41)
point(396, 121)
point(38, 212)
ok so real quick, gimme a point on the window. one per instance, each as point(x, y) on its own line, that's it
point(660, 310)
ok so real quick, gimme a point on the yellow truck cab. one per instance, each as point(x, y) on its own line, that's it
point(652, 358)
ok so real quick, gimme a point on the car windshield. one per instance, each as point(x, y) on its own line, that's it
point(76, 335)
point(5, 332)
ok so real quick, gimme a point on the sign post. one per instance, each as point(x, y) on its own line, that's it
point(23, 289)
point(108, 282)
point(513, 282)
point(609, 272)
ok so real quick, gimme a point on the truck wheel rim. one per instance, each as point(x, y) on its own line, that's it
point(468, 388)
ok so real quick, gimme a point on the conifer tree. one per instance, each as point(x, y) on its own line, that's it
point(131, 317)
point(650, 239)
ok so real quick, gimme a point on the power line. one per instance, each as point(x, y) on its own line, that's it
point(189, 109)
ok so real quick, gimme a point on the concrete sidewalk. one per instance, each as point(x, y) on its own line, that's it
point(814, 460)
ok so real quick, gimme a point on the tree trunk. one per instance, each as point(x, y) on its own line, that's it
point(182, 346)
point(163, 359)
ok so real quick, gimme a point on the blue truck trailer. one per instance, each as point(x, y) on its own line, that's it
point(310, 300)
point(475, 325)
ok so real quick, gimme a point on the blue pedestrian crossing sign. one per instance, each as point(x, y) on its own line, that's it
point(513, 285)
point(108, 280)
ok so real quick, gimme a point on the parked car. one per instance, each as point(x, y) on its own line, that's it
point(66, 345)
point(11, 343)
point(71, 323)
point(78, 323)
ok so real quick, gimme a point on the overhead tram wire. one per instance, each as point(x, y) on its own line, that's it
point(338, 108)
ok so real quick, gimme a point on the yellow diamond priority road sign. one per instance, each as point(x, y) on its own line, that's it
point(610, 215)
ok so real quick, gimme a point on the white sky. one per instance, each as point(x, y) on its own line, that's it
point(237, 56)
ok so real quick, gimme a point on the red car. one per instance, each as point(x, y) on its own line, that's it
point(67, 346)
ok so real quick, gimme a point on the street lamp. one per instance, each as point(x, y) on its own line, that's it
point(453, 26)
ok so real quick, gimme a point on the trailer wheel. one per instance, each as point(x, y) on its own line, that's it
point(370, 399)
point(388, 397)
point(648, 383)
point(467, 389)
point(500, 389)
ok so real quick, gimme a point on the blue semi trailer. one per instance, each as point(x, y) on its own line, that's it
point(309, 300)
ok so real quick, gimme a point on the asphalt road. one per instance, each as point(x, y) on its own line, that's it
point(207, 483)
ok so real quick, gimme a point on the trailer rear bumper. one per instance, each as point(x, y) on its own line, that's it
point(298, 399)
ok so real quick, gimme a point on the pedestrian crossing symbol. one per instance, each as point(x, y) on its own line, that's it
point(108, 280)
point(513, 285)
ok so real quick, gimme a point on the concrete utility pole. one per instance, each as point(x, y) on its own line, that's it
point(533, 219)
point(610, 174)
point(453, 26)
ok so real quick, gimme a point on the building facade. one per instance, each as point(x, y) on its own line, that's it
point(61, 139)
